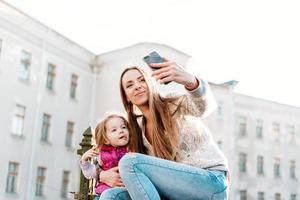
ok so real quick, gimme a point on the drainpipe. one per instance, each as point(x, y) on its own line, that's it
point(36, 131)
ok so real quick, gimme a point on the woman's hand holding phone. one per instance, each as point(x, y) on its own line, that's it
point(170, 71)
point(152, 58)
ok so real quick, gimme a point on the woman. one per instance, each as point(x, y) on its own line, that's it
point(183, 161)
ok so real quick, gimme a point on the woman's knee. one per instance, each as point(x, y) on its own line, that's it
point(126, 163)
point(115, 194)
point(108, 194)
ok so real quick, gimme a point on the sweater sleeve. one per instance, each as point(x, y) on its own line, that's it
point(89, 170)
point(199, 102)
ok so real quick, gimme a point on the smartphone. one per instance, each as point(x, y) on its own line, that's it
point(154, 57)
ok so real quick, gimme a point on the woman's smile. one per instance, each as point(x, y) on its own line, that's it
point(141, 93)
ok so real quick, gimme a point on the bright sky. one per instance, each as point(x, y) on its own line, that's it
point(255, 42)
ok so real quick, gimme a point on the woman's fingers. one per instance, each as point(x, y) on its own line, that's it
point(116, 169)
point(161, 70)
point(166, 80)
point(163, 74)
point(161, 65)
point(120, 184)
point(111, 177)
point(117, 181)
point(166, 59)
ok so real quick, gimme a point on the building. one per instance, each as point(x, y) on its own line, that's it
point(53, 89)
point(45, 82)
point(262, 141)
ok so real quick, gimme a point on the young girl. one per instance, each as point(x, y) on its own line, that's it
point(112, 137)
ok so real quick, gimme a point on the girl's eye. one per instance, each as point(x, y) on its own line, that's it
point(113, 130)
point(142, 80)
point(124, 127)
point(128, 86)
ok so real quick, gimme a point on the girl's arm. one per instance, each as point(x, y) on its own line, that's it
point(89, 170)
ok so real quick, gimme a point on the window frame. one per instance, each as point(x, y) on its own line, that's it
point(40, 181)
point(25, 65)
point(12, 178)
point(46, 125)
point(18, 121)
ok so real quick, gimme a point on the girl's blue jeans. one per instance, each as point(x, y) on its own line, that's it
point(151, 178)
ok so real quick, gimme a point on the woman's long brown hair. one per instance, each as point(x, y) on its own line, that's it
point(165, 133)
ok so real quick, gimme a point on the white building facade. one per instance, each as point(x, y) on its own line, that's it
point(45, 82)
point(262, 142)
point(52, 90)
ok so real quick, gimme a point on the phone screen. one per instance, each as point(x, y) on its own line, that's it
point(153, 57)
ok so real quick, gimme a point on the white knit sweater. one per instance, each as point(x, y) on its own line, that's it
point(197, 146)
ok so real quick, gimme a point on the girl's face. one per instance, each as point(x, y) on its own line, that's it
point(117, 132)
point(135, 87)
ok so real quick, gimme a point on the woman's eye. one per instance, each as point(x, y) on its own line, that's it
point(128, 86)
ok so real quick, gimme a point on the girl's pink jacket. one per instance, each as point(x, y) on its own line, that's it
point(110, 157)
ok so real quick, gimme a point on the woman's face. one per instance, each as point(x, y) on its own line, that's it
point(135, 87)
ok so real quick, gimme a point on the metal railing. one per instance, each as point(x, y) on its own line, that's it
point(86, 189)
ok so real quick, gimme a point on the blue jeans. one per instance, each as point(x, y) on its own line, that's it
point(117, 193)
point(151, 178)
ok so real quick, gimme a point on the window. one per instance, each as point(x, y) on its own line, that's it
point(73, 87)
point(12, 176)
point(276, 130)
point(45, 127)
point(293, 197)
point(277, 196)
point(65, 184)
point(18, 120)
point(40, 181)
point(243, 195)
point(260, 196)
point(242, 128)
point(220, 110)
point(291, 133)
point(291, 130)
point(50, 77)
point(259, 128)
point(25, 65)
point(292, 169)
point(69, 136)
point(242, 162)
point(277, 168)
point(220, 144)
point(260, 165)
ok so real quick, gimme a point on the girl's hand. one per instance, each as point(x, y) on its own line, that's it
point(111, 177)
point(89, 154)
point(170, 71)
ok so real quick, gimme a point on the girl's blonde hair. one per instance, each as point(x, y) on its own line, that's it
point(165, 132)
point(100, 131)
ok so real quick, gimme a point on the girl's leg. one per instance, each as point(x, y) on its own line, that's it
point(148, 178)
point(117, 193)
